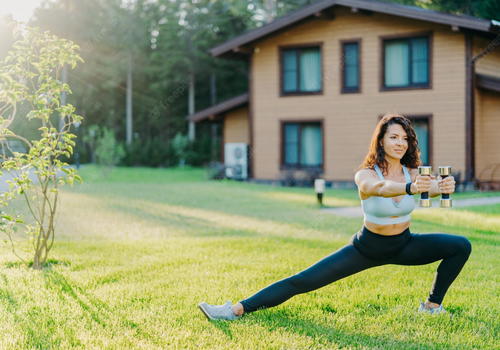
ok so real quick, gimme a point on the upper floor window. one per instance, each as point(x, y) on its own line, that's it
point(406, 63)
point(301, 70)
point(351, 76)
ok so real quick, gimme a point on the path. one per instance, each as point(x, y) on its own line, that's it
point(457, 203)
point(6, 176)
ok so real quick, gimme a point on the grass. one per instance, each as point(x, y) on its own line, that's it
point(137, 252)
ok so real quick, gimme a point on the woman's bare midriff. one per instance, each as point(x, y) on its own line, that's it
point(387, 230)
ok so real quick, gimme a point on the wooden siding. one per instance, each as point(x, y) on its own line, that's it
point(489, 64)
point(236, 126)
point(349, 119)
point(487, 132)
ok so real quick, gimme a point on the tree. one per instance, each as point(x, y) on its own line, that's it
point(106, 151)
point(489, 9)
point(30, 75)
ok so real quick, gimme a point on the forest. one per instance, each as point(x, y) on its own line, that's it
point(138, 53)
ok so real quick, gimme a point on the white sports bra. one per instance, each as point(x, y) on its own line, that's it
point(380, 209)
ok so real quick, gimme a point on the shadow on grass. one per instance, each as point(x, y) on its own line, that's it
point(191, 225)
point(290, 322)
point(477, 236)
point(224, 327)
point(98, 311)
point(49, 264)
point(33, 322)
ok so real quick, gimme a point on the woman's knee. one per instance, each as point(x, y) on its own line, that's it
point(299, 282)
point(464, 246)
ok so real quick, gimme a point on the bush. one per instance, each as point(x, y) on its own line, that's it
point(108, 152)
point(151, 153)
point(198, 153)
point(215, 171)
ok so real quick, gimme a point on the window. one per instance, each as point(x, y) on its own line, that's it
point(406, 62)
point(422, 126)
point(302, 144)
point(351, 66)
point(301, 70)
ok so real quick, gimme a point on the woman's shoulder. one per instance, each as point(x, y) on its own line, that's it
point(365, 173)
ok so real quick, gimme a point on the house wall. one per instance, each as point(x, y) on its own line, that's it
point(487, 133)
point(489, 64)
point(349, 119)
point(487, 125)
point(236, 126)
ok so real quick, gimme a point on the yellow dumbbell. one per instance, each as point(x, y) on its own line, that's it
point(424, 200)
point(445, 201)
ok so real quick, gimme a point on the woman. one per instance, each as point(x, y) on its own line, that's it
point(386, 183)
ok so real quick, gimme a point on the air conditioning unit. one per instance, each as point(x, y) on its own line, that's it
point(236, 160)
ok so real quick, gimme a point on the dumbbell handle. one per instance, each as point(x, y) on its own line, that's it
point(445, 195)
point(424, 200)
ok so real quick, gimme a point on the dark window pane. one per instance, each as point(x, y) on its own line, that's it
point(422, 130)
point(291, 143)
point(351, 77)
point(419, 53)
point(351, 66)
point(290, 70)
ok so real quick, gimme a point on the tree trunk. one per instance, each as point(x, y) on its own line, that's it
point(192, 130)
point(129, 99)
point(270, 6)
point(129, 77)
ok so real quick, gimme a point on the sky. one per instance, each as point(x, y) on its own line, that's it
point(21, 10)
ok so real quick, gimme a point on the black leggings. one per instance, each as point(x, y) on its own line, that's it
point(365, 250)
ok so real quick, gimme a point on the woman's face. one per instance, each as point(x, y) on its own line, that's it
point(395, 141)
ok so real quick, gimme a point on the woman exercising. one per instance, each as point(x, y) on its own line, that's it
point(386, 183)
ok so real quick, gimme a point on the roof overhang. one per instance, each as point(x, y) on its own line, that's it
point(222, 107)
point(238, 47)
point(488, 82)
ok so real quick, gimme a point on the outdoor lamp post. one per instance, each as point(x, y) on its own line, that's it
point(319, 187)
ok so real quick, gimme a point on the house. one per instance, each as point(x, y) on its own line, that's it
point(321, 77)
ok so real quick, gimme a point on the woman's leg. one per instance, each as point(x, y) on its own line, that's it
point(424, 249)
point(344, 262)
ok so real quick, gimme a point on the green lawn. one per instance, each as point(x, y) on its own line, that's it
point(137, 252)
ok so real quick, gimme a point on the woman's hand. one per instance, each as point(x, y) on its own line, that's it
point(423, 183)
point(446, 185)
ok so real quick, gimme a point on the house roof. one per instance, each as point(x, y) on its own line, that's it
point(488, 82)
point(219, 108)
point(233, 47)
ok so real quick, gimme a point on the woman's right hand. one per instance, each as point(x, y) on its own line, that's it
point(423, 183)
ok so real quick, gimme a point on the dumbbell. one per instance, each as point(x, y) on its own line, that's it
point(424, 200)
point(445, 201)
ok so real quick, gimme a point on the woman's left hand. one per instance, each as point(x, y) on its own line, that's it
point(446, 185)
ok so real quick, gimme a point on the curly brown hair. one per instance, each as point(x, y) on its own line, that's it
point(376, 153)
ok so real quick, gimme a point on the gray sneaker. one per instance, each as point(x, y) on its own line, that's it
point(435, 310)
point(218, 312)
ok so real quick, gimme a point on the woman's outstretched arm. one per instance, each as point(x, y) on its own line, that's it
point(369, 183)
